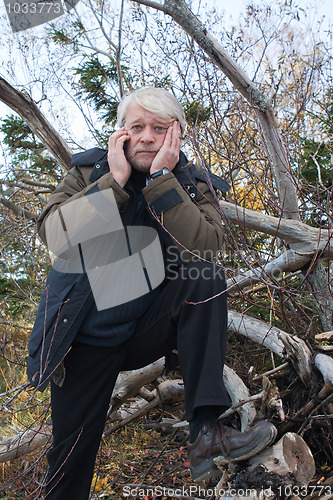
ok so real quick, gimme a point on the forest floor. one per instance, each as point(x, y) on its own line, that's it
point(150, 461)
point(132, 461)
point(142, 463)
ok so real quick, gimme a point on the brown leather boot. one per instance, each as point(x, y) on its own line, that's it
point(217, 440)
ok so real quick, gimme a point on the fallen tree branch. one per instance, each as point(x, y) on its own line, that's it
point(169, 392)
point(304, 238)
point(130, 382)
point(257, 330)
point(270, 372)
point(24, 442)
point(326, 336)
point(286, 262)
point(324, 364)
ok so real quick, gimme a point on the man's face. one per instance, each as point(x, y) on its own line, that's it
point(147, 133)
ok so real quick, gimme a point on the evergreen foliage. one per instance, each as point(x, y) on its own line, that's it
point(94, 80)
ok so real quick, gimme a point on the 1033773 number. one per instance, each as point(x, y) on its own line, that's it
point(33, 7)
point(304, 491)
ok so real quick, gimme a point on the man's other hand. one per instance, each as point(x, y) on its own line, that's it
point(168, 155)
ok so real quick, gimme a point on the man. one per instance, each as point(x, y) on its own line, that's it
point(82, 345)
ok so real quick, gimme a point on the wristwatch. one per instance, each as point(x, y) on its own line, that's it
point(153, 176)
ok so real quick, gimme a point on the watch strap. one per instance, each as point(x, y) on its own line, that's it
point(163, 171)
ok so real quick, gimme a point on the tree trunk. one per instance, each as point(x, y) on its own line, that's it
point(22, 104)
point(317, 281)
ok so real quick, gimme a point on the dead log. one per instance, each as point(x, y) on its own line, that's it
point(325, 348)
point(290, 458)
point(272, 473)
point(283, 344)
point(324, 364)
point(24, 442)
point(324, 336)
point(303, 237)
point(129, 383)
point(171, 392)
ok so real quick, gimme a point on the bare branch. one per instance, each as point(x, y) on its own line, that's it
point(18, 210)
point(303, 237)
point(149, 3)
point(45, 185)
point(257, 330)
point(118, 52)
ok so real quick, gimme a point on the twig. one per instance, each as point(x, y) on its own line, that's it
point(148, 406)
point(15, 325)
point(270, 372)
point(235, 406)
point(311, 414)
point(18, 389)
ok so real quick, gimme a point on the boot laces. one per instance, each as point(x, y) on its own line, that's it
point(219, 434)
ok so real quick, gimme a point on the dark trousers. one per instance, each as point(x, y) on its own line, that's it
point(185, 317)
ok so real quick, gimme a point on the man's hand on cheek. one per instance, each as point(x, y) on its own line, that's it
point(168, 155)
point(119, 166)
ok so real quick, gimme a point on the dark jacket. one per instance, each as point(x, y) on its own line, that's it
point(183, 203)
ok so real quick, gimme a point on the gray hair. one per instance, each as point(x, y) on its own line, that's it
point(156, 100)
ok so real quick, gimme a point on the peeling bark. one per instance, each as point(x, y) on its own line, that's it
point(300, 356)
